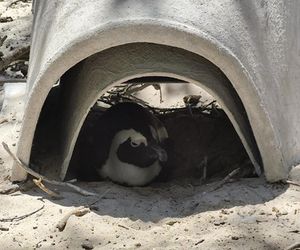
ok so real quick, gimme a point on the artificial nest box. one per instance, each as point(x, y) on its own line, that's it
point(94, 50)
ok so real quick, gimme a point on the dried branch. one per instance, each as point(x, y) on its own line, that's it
point(5, 79)
point(18, 218)
point(13, 2)
point(9, 189)
point(226, 179)
point(157, 87)
point(80, 211)
point(100, 197)
point(219, 185)
point(42, 187)
point(2, 40)
point(119, 225)
point(43, 178)
point(15, 55)
point(292, 183)
point(3, 120)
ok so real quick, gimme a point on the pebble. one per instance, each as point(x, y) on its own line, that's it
point(171, 223)
point(219, 223)
point(87, 245)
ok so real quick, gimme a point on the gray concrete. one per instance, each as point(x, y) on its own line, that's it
point(92, 77)
point(254, 43)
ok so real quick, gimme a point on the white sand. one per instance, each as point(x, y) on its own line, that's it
point(247, 214)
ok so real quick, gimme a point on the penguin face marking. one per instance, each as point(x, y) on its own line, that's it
point(141, 156)
point(132, 147)
point(131, 159)
point(137, 140)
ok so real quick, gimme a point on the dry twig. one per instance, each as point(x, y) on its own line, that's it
point(13, 56)
point(226, 179)
point(18, 218)
point(3, 120)
point(6, 79)
point(292, 183)
point(43, 178)
point(46, 190)
point(219, 185)
point(9, 189)
point(11, 3)
point(100, 197)
point(79, 211)
point(2, 40)
point(119, 225)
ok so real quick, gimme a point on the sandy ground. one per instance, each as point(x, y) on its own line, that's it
point(243, 214)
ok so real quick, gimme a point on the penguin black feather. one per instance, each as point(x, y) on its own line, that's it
point(139, 137)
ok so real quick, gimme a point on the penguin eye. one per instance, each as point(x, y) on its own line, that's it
point(134, 144)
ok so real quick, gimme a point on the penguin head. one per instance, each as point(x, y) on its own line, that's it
point(131, 147)
point(133, 159)
point(134, 149)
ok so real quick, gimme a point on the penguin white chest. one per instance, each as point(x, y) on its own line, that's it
point(127, 173)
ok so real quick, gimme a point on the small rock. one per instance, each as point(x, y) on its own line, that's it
point(87, 245)
point(234, 237)
point(199, 242)
point(34, 227)
point(283, 213)
point(219, 223)
point(95, 208)
point(171, 223)
point(6, 19)
point(224, 211)
point(138, 245)
point(259, 220)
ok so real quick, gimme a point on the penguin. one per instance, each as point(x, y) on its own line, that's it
point(126, 144)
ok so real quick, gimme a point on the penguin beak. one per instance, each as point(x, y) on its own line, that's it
point(162, 154)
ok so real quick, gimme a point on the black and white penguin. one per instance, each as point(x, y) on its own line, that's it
point(125, 145)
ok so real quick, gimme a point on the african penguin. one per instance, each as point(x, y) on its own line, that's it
point(125, 145)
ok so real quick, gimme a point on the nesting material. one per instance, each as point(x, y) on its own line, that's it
point(202, 142)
